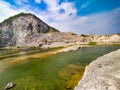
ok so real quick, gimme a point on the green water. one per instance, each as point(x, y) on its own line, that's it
point(61, 71)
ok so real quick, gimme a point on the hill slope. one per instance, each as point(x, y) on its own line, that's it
point(17, 29)
point(26, 29)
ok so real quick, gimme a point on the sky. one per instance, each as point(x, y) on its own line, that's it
point(78, 16)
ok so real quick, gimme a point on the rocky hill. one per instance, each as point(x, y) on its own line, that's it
point(102, 74)
point(16, 30)
point(26, 29)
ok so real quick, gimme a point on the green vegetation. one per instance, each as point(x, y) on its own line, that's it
point(92, 43)
point(84, 35)
point(73, 33)
point(61, 71)
point(118, 34)
point(51, 29)
point(115, 44)
point(110, 44)
point(15, 16)
point(73, 73)
point(16, 52)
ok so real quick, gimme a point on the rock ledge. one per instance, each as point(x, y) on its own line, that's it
point(102, 74)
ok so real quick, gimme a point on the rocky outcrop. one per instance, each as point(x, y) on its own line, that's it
point(102, 74)
point(9, 85)
point(115, 38)
point(26, 29)
point(17, 30)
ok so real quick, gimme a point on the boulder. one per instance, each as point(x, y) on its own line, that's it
point(9, 86)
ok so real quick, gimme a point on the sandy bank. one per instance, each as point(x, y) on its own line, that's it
point(7, 62)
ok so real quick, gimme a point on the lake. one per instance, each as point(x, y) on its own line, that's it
point(40, 71)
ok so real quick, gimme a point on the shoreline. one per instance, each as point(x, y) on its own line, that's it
point(12, 61)
point(102, 74)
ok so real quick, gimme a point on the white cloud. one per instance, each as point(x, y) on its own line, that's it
point(6, 10)
point(20, 2)
point(38, 1)
point(53, 15)
point(100, 23)
point(52, 12)
point(85, 5)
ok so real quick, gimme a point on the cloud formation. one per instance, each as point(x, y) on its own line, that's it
point(6, 10)
point(20, 2)
point(63, 16)
point(38, 1)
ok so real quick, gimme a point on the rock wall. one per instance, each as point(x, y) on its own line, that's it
point(115, 38)
point(102, 74)
point(17, 30)
point(28, 30)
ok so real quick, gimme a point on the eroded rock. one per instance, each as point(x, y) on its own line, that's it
point(102, 74)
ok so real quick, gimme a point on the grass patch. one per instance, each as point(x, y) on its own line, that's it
point(92, 43)
point(116, 44)
point(51, 29)
point(72, 74)
point(16, 52)
point(15, 16)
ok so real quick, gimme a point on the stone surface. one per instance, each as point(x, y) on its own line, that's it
point(102, 74)
point(17, 30)
point(28, 30)
point(9, 86)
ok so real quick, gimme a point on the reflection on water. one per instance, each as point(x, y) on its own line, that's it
point(60, 71)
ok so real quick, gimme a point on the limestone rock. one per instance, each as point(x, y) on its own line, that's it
point(9, 86)
point(102, 74)
point(16, 30)
point(26, 29)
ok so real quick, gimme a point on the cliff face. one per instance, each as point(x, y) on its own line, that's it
point(16, 30)
point(102, 74)
point(115, 38)
point(28, 30)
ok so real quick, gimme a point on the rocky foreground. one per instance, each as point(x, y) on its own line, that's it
point(102, 74)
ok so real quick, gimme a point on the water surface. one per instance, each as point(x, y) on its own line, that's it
point(60, 71)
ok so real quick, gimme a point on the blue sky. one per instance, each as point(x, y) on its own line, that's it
point(79, 16)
